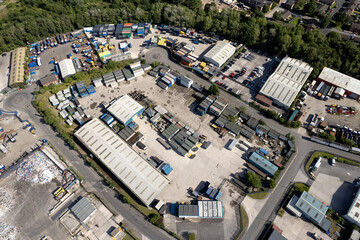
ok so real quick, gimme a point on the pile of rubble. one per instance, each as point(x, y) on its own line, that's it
point(7, 200)
point(7, 231)
point(37, 168)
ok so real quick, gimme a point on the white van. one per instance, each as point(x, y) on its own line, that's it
point(333, 162)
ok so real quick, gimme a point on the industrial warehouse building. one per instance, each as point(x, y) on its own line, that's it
point(262, 164)
point(203, 209)
point(17, 67)
point(314, 210)
point(285, 83)
point(353, 215)
point(132, 170)
point(125, 108)
point(67, 68)
point(220, 53)
point(349, 85)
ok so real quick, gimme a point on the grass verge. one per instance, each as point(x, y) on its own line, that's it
point(329, 156)
point(317, 155)
point(281, 212)
point(244, 218)
point(258, 195)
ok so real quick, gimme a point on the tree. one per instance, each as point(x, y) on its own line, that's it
point(310, 7)
point(325, 21)
point(266, 8)
point(272, 183)
point(262, 122)
point(156, 219)
point(253, 179)
point(277, 16)
point(296, 124)
point(214, 89)
point(192, 236)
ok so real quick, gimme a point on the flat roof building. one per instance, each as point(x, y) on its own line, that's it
point(285, 83)
point(66, 68)
point(125, 108)
point(128, 166)
point(17, 67)
point(83, 210)
point(203, 209)
point(353, 215)
point(334, 78)
point(51, 79)
point(219, 53)
point(262, 164)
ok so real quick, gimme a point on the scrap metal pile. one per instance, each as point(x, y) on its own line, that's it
point(7, 231)
point(7, 200)
point(37, 168)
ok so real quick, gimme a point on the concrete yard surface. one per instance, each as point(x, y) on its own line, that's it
point(24, 139)
point(30, 213)
point(333, 191)
point(253, 207)
point(297, 228)
point(317, 106)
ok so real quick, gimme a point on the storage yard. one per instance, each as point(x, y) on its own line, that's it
point(26, 193)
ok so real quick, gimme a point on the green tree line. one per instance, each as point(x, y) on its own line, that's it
point(30, 20)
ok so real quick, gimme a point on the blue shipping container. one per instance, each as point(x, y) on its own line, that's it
point(263, 151)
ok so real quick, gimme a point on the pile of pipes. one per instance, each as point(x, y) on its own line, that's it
point(37, 168)
point(7, 200)
point(7, 231)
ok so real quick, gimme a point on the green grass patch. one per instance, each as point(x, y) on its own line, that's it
point(128, 237)
point(244, 218)
point(295, 21)
point(347, 161)
point(315, 156)
point(281, 212)
point(258, 195)
point(76, 173)
point(333, 5)
point(300, 187)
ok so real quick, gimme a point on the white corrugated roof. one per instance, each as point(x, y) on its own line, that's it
point(131, 169)
point(124, 108)
point(341, 80)
point(354, 210)
point(221, 52)
point(287, 80)
point(66, 68)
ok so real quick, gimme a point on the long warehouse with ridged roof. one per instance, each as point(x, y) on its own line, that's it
point(286, 82)
point(126, 164)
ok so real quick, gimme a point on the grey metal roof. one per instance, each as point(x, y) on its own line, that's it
point(252, 123)
point(275, 235)
point(125, 108)
point(311, 207)
point(83, 209)
point(126, 164)
point(263, 164)
point(188, 210)
point(203, 209)
point(233, 127)
point(126, 133)
point(230, 111)
point(287, 80)
point(247, 132)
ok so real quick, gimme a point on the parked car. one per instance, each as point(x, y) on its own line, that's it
point(223, 78)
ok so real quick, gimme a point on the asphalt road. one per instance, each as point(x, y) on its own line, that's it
point(304, 145)
point(21, 102)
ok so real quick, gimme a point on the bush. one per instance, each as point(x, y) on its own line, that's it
point(272, 183)
point(296, 124)
point(262, 122)
point(214, 89)
point(253, 179)
point(156, 219)
point(192, 236)
point(300, 187)
point(155, 64)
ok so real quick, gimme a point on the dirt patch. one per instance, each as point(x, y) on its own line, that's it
point(231, 192)
point(102, 95)
point(112, 91)
point(168, 101)
point(93, 105)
